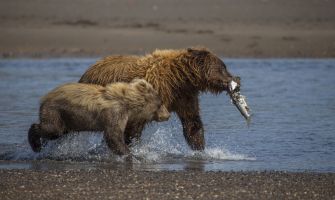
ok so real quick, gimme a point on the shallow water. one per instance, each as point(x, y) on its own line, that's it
point(292, 128)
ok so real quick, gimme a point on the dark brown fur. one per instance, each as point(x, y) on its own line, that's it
point(177, 75)
point(82, 107)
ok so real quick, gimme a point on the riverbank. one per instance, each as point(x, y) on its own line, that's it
point(128, 184)
point(231, 28)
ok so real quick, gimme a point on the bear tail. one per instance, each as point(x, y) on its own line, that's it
point(34, 137)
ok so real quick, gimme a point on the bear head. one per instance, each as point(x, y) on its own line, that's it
point(153, 108)
point(214, 76)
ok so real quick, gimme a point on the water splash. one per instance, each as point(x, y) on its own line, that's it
point(159, 144)
point(165, 144)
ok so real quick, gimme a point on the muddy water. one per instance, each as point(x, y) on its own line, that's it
point(292, 128)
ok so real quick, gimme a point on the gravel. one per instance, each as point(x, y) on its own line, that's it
point(129, 184)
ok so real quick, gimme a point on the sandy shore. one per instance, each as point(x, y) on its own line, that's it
point(127, 184)
point(231, 28)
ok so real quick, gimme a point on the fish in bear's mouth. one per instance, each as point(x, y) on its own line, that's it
point(239, 100)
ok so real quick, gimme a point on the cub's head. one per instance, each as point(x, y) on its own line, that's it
point(153, 108)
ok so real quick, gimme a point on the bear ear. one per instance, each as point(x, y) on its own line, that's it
point(136, 80)
point(141, 85)
point(197, 52)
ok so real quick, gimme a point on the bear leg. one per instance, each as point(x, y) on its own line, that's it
point(52, 126)
point(34, 137)
point(193, 132)
point(51, 131)
point(133, 132)
point(115, 141)
point(115, 124)
point(188, 113)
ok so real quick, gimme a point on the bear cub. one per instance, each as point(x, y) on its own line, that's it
point(76, 107)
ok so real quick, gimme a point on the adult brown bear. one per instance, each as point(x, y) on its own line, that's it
point(178, 76)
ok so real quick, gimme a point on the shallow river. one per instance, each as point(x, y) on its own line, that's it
point(292, 127)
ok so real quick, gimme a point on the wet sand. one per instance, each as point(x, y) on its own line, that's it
point(128, 184)
point(231, 28)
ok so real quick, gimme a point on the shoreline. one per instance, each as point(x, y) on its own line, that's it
point(229, 28)
point(129, 184)
point(237, 47)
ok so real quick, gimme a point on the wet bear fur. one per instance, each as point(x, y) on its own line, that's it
point(178, 76)
point(76, 107)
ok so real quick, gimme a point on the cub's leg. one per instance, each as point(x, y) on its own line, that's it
point(133, 132)
point(115, 124)
point(34, 137)
point(51, 127)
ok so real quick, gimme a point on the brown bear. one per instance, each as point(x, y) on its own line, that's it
point(78, 107)
point(178, 76)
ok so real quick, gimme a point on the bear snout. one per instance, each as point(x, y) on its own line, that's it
point(226, 82)
point(162, 114)
point(237, 80)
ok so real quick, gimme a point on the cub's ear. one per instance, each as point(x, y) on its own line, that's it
point(142, 85)
point(136, 80)
point(197, 52)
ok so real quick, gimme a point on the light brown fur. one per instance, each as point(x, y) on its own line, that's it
point(88, 107)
